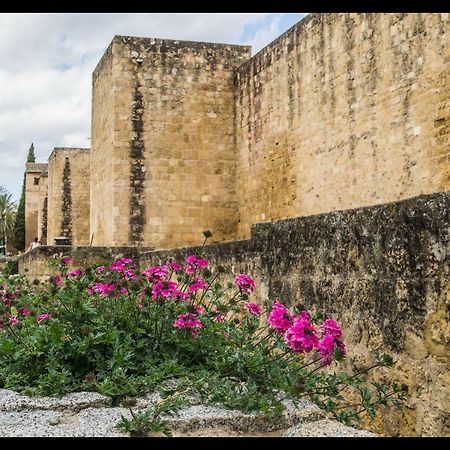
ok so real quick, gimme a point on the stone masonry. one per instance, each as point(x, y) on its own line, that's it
point(341, 111)
point(163, 143)
point(35, 185)
point(68, 195)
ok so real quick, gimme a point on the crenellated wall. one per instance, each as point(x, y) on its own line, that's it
point(68, 200)
point(163, 144)
point(343, 111)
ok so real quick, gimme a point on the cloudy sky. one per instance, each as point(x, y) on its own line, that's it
point(46, 63)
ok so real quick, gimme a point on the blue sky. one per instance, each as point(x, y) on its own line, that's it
point(46, 62)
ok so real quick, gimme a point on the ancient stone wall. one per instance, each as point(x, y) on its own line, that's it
point(163, 142)
point(43, 208)
point(343, 111)
point(68, 200)
point(102, 177)
point(35, 182)
point(382, 272)
point(34, 264)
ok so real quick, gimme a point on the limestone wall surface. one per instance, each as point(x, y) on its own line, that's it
point(35, 181)
point(164, 150)
point(344, 111)
point(68, 201)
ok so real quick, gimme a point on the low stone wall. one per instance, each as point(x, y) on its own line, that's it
point(34, 264)
point(383, 272)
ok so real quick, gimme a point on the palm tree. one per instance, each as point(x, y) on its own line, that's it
point(8, 210)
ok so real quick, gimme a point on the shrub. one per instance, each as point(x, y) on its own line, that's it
point(124, 332)
point(11, 267)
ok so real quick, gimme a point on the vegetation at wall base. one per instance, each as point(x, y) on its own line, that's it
point(176, 330)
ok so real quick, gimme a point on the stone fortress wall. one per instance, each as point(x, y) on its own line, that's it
point(68, 195)
point(341, 111)
point(35, 186)
point(163, 123)
point(344, 111)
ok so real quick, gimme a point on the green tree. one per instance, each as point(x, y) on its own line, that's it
point(7, 217)
point(19, 226)
point(31, 158)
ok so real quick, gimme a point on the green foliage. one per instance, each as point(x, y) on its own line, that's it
point(12, 267)
point(18, 237)
point(172, 329)
point(150, 420)
point(7, 217)
point(31, 158)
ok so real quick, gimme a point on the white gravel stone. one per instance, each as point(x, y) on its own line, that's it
point(12, 401)
point(325, 428)
point(90, 414)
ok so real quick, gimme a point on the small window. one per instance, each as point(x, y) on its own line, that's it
point(36, 181)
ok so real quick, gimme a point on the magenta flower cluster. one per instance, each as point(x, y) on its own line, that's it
point(302, 336)
point(190, 321)
point(245, 283)
point(184, 287)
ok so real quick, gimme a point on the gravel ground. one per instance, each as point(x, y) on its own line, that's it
point(91, 415)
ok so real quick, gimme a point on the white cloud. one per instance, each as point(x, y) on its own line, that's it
point(46, 62)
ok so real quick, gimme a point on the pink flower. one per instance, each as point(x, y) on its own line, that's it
point(253, 309)
point(74, 273)
point(201, 263)
point(198, 283)
point(103, 288)
point(117, 266)
point(126, 260)
point(174, 266)
point(130, 274)
point(58, 280)
point(42, 317)
point(99, 270)
point(124, 291)
point(13, 321)
point(326, 348)
point(66, 260)
point(1, 326)
point(189, 321)
point(90, 291)
point(24, 311)
point(195, 263)
point(156, 273)
point(191, 259)
point(190, 270)
point(279, 318)
point(332, 328)
point(245, 283)
point(302, 336)
point(178, 295)
point(164, 289)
